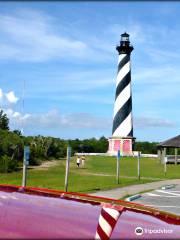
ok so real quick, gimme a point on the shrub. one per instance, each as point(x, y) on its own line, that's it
point(35, 161)
point(7, 164)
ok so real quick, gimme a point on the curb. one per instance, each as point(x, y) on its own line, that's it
point(134, 197)
point(168, 186)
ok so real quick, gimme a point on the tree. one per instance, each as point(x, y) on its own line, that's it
point(146, 147)
point(17, 132)
point(4, 121)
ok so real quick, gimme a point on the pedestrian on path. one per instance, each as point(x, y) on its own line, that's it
point(83, 160)
point(78, 161)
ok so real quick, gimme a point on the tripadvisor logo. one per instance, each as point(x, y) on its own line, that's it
point(139, 231)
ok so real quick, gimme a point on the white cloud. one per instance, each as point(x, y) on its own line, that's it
point(16, 119)
point(87, 98)
point(153, 122)
point(72, 85)
point(88, 80)
point(33, 36)
point(157, 44)
point(133, 28)
point(30, 36)
point(11, 97)
point(152, 74)
point(8, 98)
point(56, 121)
point(1, 94)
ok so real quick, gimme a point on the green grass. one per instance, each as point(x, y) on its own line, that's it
point(82, 180)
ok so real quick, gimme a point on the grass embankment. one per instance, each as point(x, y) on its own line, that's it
point(99, 173)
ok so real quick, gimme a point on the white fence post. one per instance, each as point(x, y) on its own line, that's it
point(67, 167)
point(138, 167)
point(118, 159)
point(25, 164)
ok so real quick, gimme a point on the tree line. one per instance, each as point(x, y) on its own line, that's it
point(12, 147)
point(47, 148)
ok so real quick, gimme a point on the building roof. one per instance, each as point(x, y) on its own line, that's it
point(172, 142)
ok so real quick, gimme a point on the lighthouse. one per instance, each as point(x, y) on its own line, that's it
point(122, 130)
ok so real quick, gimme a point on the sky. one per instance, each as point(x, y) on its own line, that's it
point(61, 58)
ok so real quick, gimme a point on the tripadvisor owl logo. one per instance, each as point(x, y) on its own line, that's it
point(139, 231)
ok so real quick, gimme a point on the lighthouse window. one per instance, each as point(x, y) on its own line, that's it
point(125, 39)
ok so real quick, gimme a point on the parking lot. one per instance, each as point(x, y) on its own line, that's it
point(163, 199)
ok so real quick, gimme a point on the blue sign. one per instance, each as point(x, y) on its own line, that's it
point(26, 154)
point(69, 151)
point(118, 154)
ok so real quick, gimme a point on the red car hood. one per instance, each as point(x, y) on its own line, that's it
point(43, 213)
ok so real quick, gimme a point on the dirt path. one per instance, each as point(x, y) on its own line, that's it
point(113, 175)
point(118, 192)
point(46, 165)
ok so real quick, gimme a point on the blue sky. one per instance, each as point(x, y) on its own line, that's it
point(65, 53)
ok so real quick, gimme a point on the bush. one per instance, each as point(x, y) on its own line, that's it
point(146, 147)
point(35, 161)
point(7, 164)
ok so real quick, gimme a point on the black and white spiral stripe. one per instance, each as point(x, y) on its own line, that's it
point(122, 119)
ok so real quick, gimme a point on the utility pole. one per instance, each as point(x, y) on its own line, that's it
point(165, 166)
point(26, 148)
point(25, 164)
point(138, 166)
point(118, 160)
point(67, 167)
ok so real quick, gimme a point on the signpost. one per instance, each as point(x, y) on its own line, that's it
point(165, 165)
point(25, 164)
point(67, 167)
point(138, 166)
point(118, 158)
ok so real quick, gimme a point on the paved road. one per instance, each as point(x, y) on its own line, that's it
point(167, 200)
point(134, 189)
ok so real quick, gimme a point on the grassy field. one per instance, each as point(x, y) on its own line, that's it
point(99, 173)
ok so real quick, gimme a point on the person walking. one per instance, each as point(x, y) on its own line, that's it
point(78, 161)
point(83, 160)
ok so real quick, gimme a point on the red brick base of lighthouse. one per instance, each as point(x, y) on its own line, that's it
point(123, 144)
